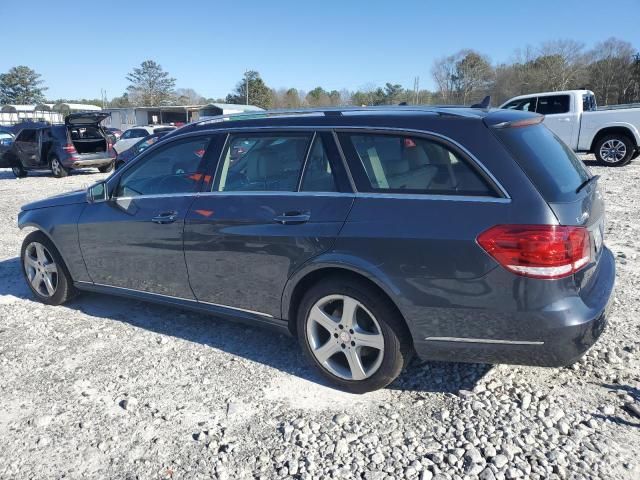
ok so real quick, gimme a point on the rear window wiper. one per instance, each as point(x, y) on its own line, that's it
point(587, 182)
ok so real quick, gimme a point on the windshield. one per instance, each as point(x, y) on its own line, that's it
point(549, 163)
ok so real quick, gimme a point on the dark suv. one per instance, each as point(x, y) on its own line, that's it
point(456, 233)
point(81, 142)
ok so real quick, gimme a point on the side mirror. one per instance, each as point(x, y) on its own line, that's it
point(97, 193)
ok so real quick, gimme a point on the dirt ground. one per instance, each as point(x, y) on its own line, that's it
point(111, 388)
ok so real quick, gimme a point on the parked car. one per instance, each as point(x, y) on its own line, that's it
point(6, 139)
point(455, 233)
point(133, 135)
point(79, 143)
point(116, 132)
point(142, 144)
point(612, 134)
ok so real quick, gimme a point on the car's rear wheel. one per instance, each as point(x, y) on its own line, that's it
point(614, 150)
point(44, 270)
point(106, 168)
point(353, 335)
point(57, 168)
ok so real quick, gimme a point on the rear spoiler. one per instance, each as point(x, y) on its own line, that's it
point(512, 119)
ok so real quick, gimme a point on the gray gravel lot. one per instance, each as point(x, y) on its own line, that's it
point(112, 388)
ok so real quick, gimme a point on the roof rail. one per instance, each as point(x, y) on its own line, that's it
point(332, 111)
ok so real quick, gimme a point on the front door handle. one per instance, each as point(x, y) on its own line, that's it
point(165, 217)
point(293, 218)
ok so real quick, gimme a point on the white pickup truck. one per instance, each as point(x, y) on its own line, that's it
point(611, 133)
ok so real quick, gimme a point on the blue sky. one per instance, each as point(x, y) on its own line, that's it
point(207, 45)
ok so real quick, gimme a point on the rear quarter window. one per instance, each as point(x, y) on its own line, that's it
point(386, 163)
point(552, 166)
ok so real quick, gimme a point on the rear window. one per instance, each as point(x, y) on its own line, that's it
point(549, 163)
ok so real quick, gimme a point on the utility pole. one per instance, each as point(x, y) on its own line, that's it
point(246, 88)
point(416, 87)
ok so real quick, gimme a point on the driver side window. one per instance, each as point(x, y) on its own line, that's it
point(172, 169)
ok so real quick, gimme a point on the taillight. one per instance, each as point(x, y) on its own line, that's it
point(538, 251)
point(69, 148)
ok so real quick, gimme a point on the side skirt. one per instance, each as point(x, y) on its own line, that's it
point(228, 313)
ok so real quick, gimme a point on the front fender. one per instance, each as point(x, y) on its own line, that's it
point(60, 224)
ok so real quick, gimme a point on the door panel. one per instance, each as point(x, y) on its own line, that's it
point(124, 247)
point(27, 147)
point(241, 248)
point(135, 240)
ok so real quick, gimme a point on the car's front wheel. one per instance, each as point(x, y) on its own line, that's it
point(57, 168)
point(18, 171)
point(352, 334)
point(106, 168)
point(44, 270)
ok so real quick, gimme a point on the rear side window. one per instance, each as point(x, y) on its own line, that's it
point(318, 176)
point(26, 135)
point(549, 163)
point(405, 164)
point(135, 133)
point(553, 104)
point(262, 163)
point(524, 104)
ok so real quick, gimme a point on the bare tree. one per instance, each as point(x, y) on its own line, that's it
point(564, 64)
point(611, 70)
point(462, 76)
point(443, 71)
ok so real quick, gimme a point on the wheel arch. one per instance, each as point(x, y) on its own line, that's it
point(612, 130)
point(310, 274)
point(64, 240)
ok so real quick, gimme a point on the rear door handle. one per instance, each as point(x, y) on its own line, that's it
point(293, 218)
point(165, 217)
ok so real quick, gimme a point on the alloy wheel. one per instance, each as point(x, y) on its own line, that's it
point(613, 151)
point(56, 168)
point(41, 269)
point(344, 337)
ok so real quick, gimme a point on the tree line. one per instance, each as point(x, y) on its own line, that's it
point(611, 69)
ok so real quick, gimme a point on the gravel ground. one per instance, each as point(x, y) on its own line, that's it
point(112, 388)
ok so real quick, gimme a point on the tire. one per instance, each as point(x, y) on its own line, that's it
point(614, 150)
point(636, 154)
point(329, 344)
point(37, 256)
point(107, 168)
point(18, 170)
point(58, 170)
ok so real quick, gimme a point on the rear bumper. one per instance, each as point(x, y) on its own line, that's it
point(556, 336)
point(96, 162)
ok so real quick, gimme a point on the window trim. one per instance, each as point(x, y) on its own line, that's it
point(225, 131)
point(448, 143)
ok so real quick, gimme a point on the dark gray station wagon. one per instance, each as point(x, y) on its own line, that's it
point(457, 233)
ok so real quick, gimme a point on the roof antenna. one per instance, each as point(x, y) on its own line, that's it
point(485, 103)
